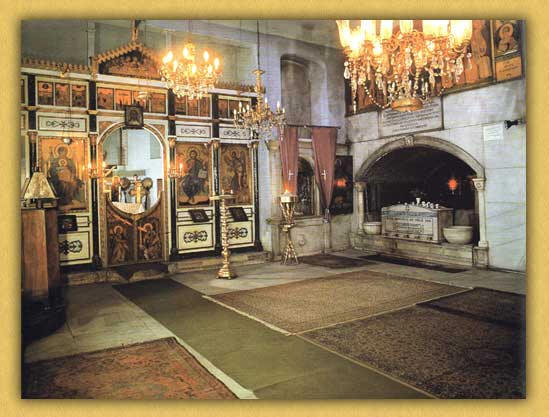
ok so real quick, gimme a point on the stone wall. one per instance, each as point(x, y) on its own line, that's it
point(503, 161)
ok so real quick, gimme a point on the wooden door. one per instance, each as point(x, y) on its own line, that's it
point(135, 238)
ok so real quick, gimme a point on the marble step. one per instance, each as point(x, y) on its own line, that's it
point(194, 264)
point(197, 264)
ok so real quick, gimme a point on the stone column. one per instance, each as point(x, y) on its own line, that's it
point(479, 186)
point(91, 41)
point(360, 187)
point(275, 167)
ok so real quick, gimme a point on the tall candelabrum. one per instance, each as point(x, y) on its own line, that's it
point(287, 206)
point(225, 272)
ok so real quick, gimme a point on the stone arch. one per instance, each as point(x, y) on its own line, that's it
point(410, 141)
point(115, 126)
point(420, 141)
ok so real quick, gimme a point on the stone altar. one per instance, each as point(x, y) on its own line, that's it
point(415, 222)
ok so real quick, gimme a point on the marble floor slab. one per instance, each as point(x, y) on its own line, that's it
point(98, 317)
point(274, 273)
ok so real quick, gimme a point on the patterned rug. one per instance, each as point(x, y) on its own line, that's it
point(413, 263)
point(489, 305)
point(161, 369)
point(333, 261)
point(449, 355)
point(320, 302)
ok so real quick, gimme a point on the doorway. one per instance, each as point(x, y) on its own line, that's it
point(133, 191)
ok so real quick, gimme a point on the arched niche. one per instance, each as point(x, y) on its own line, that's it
point(418, 141)
point(304, 84)
point(411, 161)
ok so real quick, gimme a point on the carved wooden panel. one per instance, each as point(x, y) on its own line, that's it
point(121, 233)
point(134, 237)
point(65, 166)
point(149, 236)
point(194, 165)
point(235, 172)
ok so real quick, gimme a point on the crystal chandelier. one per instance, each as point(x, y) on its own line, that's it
point(187, 76)
point(405, 68)
point(259, 118)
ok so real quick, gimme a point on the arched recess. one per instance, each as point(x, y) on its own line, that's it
point(377, 158)
point(317, 79)
point(165, 188)
point(424, 141)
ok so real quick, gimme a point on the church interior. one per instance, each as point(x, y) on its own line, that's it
point(273, 209)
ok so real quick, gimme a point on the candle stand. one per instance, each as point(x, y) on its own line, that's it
point(287, 206)
point(225, 272)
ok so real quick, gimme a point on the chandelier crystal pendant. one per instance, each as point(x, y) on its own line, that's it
point(259, 118)
point(188, 75)
point(404, 68)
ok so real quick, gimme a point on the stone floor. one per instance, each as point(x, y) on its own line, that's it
point(273, 273)
point(99, 317)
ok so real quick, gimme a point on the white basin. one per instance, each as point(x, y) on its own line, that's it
point(460, 235)
point(372, 228)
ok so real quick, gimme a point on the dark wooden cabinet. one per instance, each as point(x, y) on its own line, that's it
point(43, 306)
point(39, 253)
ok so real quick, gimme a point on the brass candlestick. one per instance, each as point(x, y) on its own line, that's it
point(287, 206)
point(225, 272)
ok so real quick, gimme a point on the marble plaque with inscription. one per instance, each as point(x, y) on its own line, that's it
point(392, 122)
point(415, 222)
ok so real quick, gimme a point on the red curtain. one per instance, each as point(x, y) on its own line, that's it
point(289, 156)
point(324, 149)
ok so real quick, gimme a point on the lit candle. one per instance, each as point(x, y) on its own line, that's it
point(406, 26)
point(180, 168)
point(386, 29)
point(239, 105)
point(278, 105)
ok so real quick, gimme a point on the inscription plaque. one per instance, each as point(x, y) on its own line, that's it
point(392, 122)
point(414, 222)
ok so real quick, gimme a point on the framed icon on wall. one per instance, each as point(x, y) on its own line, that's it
point(133, 117)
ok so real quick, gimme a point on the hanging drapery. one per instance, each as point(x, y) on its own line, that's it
point(324, 149)
point(289, 157)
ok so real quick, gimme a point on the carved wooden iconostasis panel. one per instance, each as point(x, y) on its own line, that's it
point(67, 114)
point(194, 185)
point(64, 161)
point(193, 161)
point(133, 220)
point(235, 173)
point(134, 238)
point(236, 176)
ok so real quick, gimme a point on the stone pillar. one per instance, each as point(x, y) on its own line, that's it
point(91, 41)
point(360, 187)
point(275, 166)
point(168, 36)
point(479, 186)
